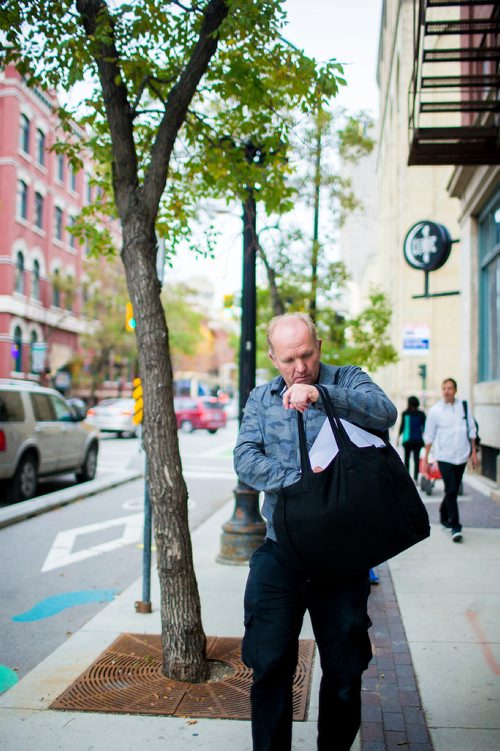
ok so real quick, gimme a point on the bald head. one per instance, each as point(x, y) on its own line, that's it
point(290, 320)
point(294, 348)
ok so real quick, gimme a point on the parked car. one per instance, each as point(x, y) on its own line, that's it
point(40, 434)
point(202, 413)
point(113, 416)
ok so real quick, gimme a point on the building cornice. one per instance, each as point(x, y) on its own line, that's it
point(473, 186)
point(53, 317)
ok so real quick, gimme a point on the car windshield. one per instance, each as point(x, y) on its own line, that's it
point(210, 404)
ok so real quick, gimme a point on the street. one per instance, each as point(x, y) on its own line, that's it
point(116, 453)
point(61, 567)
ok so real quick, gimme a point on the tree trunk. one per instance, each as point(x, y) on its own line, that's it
point(183, 638)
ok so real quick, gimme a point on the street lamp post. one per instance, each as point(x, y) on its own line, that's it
point(244, 532)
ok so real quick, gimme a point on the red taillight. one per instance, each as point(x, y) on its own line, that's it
point(3, 441)
point(90, 412)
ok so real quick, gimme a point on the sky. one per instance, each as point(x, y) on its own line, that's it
point(346, 30)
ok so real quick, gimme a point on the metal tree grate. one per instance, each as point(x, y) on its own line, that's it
point(127, 678)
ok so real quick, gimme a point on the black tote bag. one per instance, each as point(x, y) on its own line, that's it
point(359, 511)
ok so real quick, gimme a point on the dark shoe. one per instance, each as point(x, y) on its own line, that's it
point(446, 525)
point(456, 535)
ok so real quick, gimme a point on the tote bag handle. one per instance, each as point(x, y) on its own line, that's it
point(340, 434)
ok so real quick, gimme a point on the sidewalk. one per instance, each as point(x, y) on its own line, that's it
point(448, 598)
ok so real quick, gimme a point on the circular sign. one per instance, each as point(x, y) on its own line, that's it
point(427, 246)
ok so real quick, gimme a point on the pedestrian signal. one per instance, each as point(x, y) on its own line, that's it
point(422, 371)
point(138, 402)
point(129, 317)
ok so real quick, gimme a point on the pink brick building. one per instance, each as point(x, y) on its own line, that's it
point(39, 197)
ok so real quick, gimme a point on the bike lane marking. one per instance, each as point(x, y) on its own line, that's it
point(8, 678)
point(56, 603)
point(61, 552)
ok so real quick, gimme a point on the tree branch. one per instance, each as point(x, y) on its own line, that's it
point(277, 303)
point(178, 102)
point(193, 9)
point(139, 95)
point(114, 91)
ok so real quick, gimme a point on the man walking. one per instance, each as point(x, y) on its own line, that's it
point(267, 457)
point(450, 430)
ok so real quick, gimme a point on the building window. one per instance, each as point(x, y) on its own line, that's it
point(22, 199)
point(33, 340)
point(24, 134)
point(72, 178)
point(489, 292)
point(60, 167)
point(39, 210)
point(69, 293)
point(17, 350)
point(56, 289)
point(72, 238)
point(35, 287)
point(40, 147)
point(20, 272)
point(58, 223)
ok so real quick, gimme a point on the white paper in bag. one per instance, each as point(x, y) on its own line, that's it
point(325, 446)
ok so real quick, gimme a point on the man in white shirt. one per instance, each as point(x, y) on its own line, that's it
point(451, 432)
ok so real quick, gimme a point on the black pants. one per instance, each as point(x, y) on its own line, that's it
point(452, 477)
point(276, 599)
point(412, 449)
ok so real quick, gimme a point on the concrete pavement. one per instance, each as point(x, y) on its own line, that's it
point(448, 598)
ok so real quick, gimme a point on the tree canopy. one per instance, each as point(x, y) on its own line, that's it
point(131, 62)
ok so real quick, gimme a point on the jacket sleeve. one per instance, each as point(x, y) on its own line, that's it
point(251, 464)
point(358, 399)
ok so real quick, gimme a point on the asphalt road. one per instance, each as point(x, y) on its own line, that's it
point(60, 568)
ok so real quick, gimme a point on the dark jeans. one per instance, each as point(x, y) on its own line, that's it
point(412, 449)
point(276, 598)
point(452, 477)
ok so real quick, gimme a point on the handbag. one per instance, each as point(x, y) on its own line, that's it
point(361, 510)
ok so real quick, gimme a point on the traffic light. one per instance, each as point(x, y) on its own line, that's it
point(422, 371)
point(138, 402)
point(129, 317)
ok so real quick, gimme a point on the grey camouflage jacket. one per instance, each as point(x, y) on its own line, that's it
point(267, 454)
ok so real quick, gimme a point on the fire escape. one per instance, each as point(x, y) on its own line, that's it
point(454, 101)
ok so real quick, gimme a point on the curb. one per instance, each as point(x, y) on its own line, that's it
point(482, 484)
point(22, 510)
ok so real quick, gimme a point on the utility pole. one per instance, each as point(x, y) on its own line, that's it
point(245, 531)
point(422, 372)
point(315, 242)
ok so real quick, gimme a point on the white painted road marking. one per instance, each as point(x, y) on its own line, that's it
point(61, 553)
